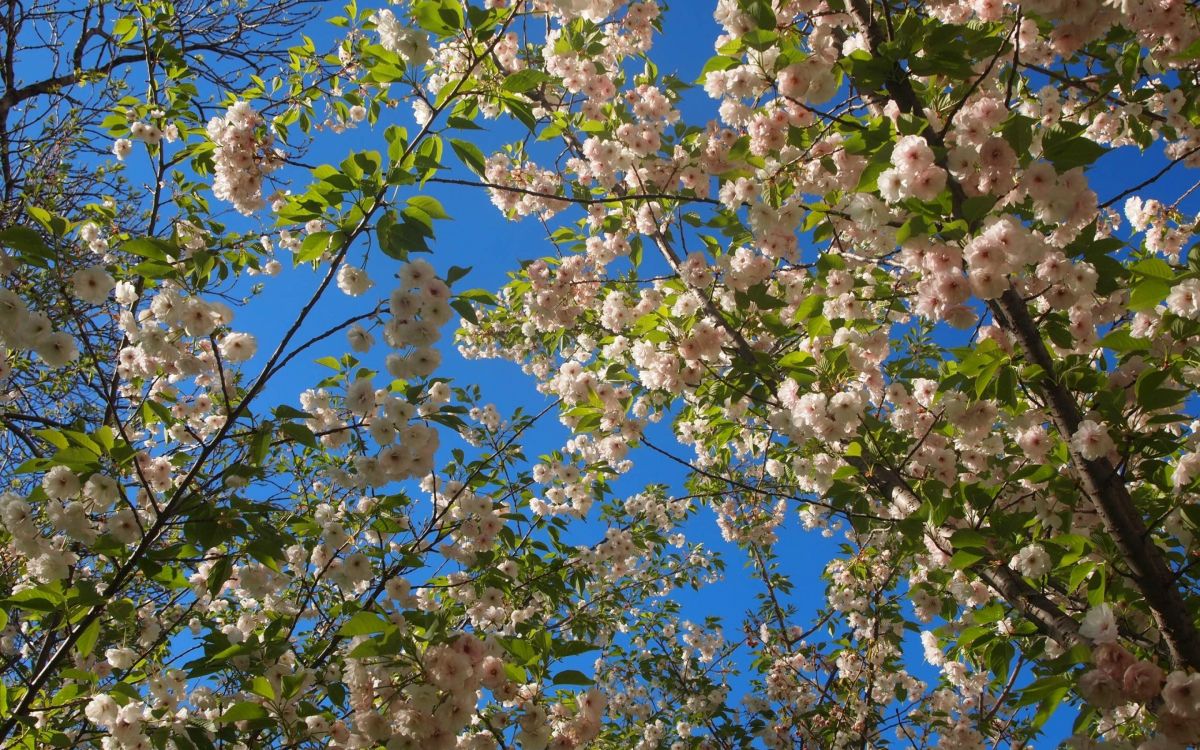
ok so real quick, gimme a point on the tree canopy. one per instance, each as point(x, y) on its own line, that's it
point(915, 276)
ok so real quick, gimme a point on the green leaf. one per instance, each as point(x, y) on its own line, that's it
point(105, 438)
point(480, 296)
point(1097, 587)
point(470, 155)
point(762, 14)
point(261, 686)
point(1147, 293)
point(55, 225)
point(151, 248)
point(36, 599)
point(720, 62)
point(369, 162)
point(524, 80)
point(1152, 394)
point(441, 17)
point(125, 30)
point(284, 411)
point(86, 642)
point(1154, 268)
point(1079, 572)
point(244, 711)
point(465, 309)
point(985, 377)
point(810, 307)
point(1066, 147)
point(364, 623)
point(963, 559)
point(54, 437)
point(237, 649)
point(521, 649)
point(993, 612)
point(1049, 705)
point(1122, 341)
point(429, 205)
point(299, 433)
point(397, 141)
point(219, 575)
point(572, 648)
point(572, 677)
point(260, 443)
point(25, 241)
point(760, 39)
point(314, 246)
point(968, 539)
point(1000, 659)
point(389, 644)
point(78, 459)
point(974, 209)
point(973, 633)
point(1018, 131)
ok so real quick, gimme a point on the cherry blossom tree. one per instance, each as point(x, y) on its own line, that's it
point(887, 288)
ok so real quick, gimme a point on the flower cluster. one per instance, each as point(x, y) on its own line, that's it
point(31, 330)
point(244, 155)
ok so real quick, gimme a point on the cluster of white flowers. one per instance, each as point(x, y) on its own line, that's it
point(913, 173)
point(1119, 682)
point(353, 280)
point(419, 307)
point(46, 559)
point(412, 45)
point(535, 187)
point(146, 132)
point(475, 520)
point(242, 157)
point(90, 233)
point(125, 725)
point(74, 513)
point(24, 329)
point(815, 414)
